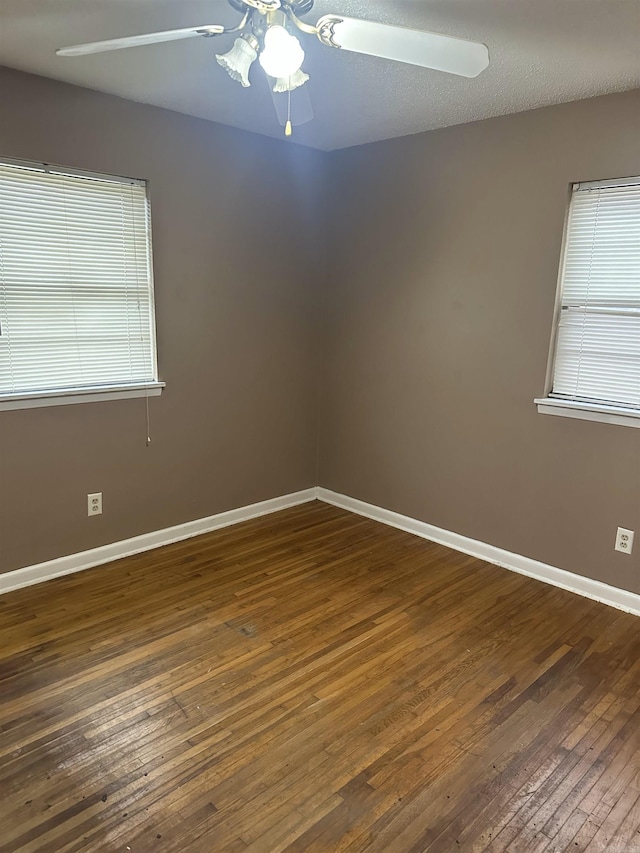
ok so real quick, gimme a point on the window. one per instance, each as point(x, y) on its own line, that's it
point(76, 289)
point(595, 372)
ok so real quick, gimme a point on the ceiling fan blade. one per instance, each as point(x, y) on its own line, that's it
point(430, 50)
point(136, 41)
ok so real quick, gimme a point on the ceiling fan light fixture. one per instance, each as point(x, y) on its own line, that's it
point(282, 55)
point(290, 84)
point(266, 30)
point(238, 61)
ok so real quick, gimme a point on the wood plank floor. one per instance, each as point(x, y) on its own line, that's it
point(314, 681)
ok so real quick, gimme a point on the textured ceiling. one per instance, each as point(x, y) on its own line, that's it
point(542, 52)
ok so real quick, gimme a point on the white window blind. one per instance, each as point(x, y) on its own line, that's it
point(597, 351)
point(76, 294)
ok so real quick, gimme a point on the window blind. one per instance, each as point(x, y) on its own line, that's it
point(597, 355)
point(76, 296)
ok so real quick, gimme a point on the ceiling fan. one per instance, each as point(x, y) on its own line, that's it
point(266, 32)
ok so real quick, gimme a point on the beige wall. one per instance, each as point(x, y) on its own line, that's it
point(442, 262)
point(235, 245)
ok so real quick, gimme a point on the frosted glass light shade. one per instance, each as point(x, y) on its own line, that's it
point(282, 55)
point(289, 84)
point(238, 61)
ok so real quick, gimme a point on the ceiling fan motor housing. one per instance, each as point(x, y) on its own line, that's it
point(300, 7)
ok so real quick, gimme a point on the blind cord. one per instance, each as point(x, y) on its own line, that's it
point(146, 400)
point(135, 254)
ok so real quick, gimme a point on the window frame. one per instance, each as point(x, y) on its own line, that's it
point(604, 412)
point(96, 393)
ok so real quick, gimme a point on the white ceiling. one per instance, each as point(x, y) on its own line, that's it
point(542, 52)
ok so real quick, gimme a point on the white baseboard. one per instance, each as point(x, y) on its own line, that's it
point(602, 592)
point(619, 598)
point(147, 541)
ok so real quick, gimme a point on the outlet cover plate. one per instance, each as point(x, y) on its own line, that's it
point(624, 540)
point(94, 504)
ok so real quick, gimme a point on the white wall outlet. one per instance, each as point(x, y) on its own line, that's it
point(624, 540)
point(94, 504)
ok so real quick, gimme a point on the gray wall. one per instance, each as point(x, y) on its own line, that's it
point(236, 252)
point(434, 312)
point(442, 257)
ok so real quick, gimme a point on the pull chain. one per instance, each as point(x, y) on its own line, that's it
point(288, 130)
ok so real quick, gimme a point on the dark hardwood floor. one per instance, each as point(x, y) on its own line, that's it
point(314, 681)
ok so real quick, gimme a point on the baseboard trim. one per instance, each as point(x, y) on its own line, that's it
point(147, 541)
point(596, 590)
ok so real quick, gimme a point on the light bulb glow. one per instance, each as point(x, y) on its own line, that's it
point(239, 60)
point(282, 55)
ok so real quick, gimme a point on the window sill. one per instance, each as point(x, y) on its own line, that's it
point(38, 399)
point(588, 411)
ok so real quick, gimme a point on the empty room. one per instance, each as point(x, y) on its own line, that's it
point(319, 410)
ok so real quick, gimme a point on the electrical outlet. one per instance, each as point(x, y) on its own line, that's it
point(624, 540)
point(94, 504)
